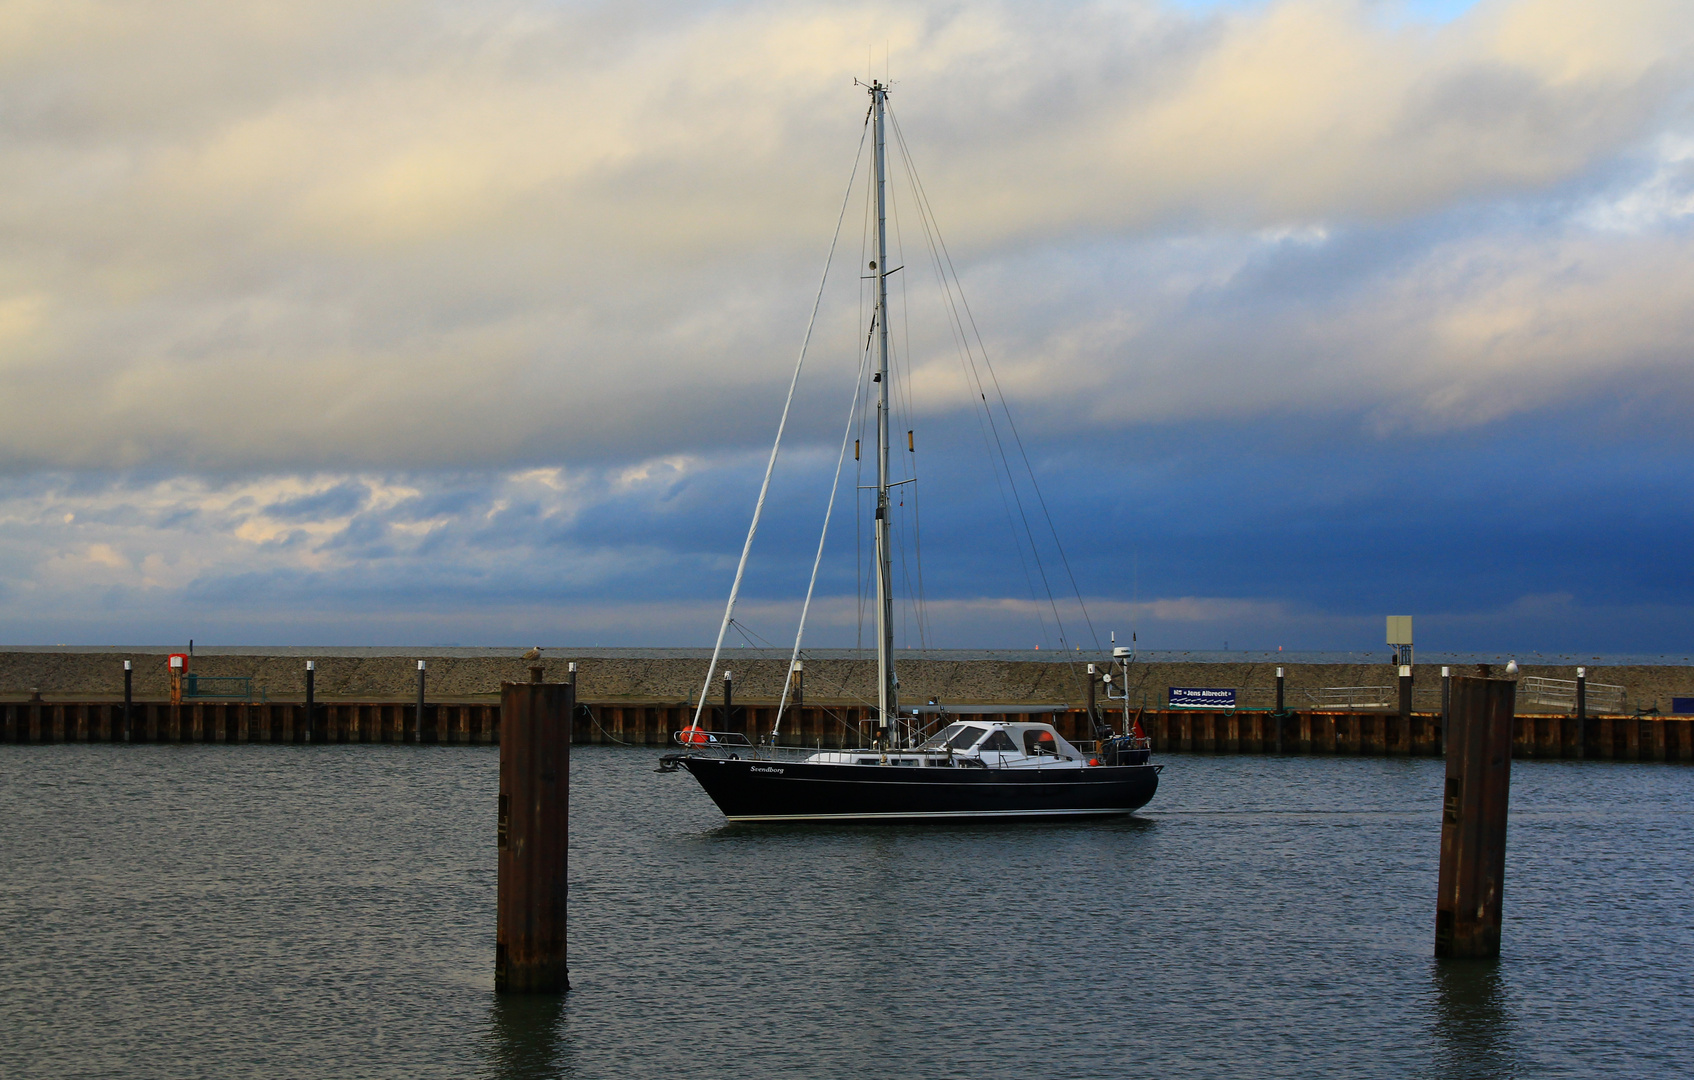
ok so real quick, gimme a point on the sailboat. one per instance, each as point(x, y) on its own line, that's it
point(981, 763)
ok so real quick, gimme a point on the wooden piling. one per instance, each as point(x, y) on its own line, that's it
point(1473, 818)
point(533, 832)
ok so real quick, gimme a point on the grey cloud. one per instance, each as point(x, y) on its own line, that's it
point(341, 500)
point(242, 238)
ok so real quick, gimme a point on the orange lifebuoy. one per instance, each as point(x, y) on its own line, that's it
point(693, 737)
point(1094, 761)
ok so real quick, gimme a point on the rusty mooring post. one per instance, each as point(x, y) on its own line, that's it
point(129, 695)
point(1473, 817)
point(534, 828)
point(1281, 710)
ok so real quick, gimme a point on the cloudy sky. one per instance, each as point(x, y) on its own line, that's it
point(399, 322)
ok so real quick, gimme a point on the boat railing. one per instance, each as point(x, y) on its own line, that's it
point(707, 742)
point(1091, 747)
point(735, 745)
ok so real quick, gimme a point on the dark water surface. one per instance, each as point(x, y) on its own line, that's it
point(328, 911)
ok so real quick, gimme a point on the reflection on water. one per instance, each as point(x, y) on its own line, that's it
point(522, 1039)
point(1472, 1028)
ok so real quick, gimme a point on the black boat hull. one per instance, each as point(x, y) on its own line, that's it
point(801, 791)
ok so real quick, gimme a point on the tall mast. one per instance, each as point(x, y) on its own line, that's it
point(885, 698)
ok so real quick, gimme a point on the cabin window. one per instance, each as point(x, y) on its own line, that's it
point(1000, 741)
point(958, 736)
point(1038, 741)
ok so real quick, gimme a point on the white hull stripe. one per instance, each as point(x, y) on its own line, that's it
point(929, 814)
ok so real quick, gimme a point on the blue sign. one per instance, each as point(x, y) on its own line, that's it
point(1197, 697)
point(1682, 706)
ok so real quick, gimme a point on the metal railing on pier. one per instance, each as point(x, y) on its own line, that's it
point(220, 687)
point(1366, 697)
point(1561, 694)
point(1354, 697)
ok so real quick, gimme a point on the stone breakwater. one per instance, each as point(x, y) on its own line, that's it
point(98, 675)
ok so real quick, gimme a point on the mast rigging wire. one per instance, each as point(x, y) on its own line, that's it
point(782, 424)
point(817, 561)
point(1004, 479)
point(928, 215)
point(903, 388)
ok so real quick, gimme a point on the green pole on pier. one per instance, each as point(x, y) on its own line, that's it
point(1405, 744)
point(1581, 711)
point(311, 696)
point(417, 717)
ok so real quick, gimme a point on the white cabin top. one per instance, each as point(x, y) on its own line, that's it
point(990, 742)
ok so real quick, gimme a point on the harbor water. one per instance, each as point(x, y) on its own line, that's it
point(328, 911)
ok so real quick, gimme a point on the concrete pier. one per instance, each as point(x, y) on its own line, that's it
point(671, 676)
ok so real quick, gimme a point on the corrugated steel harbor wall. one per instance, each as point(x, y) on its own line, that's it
point(1620, 738)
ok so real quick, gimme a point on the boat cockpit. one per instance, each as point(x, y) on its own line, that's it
point(991, 744)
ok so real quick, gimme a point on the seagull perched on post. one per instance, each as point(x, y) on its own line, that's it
point(533, 654)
